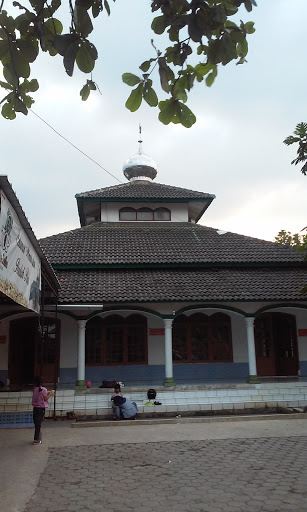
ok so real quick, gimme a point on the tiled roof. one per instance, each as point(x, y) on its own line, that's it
point(132, 243)
point(149, 285)
point(144, 190)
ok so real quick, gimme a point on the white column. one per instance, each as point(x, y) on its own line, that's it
point(81, 352)
point(169, 381)
point(251, 349)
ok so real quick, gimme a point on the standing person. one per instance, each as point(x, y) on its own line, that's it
point(40, 403)
point(117, 392)
point(125, 409)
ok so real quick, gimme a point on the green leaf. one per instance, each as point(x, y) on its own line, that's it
point(158, 25)
point(28, 48)
point(8, 111)
point(135, 99)
point(21, 66)
point(83, 21)
point(85, 92)
point(166, 75)
point(168, 111)
point(86, 56)
point(146, 65)
point(195, 32)
point(107, 7)
point(62, 42)
point(70, 57)
point(9, 87)
point(33, 85)
point(37, 4)
point(54, 25)
point(178, 90)
point(28, 101)
point(130, 79)
point(248, 5)
point(249, 27)
point(4, 48)
point(185, 115)
point(7, 21)
point(242, 48)
point(150, 97)
point(19, 106)
point(211, 77)
point(97, 8)
point(91, 85)
point(10, 75)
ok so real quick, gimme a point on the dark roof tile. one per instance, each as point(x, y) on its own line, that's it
point(132, 243)
point(142, 285)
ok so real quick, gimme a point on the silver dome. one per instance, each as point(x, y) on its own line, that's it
point(140, 166)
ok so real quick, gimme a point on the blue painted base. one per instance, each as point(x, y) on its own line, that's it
point(3, 376)
point(155, 374)
point(303, 368)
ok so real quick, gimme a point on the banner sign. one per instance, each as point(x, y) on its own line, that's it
point(302, 332)
point(20, 267)
point(156, 332)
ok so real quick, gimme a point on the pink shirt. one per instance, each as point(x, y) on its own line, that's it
point(38, 398)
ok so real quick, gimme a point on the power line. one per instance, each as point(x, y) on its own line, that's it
point(94, 161)
point(76, 147)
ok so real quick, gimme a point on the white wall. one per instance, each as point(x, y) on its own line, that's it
point(69, 342)
point(110, 211)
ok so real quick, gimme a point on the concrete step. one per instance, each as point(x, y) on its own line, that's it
point(176, 420)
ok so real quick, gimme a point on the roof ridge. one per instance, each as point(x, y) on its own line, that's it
point(135, 184)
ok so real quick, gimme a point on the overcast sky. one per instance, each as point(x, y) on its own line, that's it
point(234, 150)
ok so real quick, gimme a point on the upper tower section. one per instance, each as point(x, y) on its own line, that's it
point(141, 199)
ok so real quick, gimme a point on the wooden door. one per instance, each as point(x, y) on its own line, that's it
point(265, 350)
point(285, 341)
point(47, 351)
point(22, 351)
point(276, 344)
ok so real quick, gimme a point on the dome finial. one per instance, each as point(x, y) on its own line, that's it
point(140, 139)
point(140, 167)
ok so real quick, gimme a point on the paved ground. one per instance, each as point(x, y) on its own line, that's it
point(254, 466)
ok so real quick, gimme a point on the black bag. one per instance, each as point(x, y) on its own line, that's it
point(108, 383)
point(151, 394)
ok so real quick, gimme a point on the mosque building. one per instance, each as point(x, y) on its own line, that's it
point(149, 296)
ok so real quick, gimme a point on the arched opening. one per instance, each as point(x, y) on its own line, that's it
point(276, 344)
point(201, 338)
point(144, 214)
point(127, 213)
point(162, 214)
point(31, 353)
point(115, 340)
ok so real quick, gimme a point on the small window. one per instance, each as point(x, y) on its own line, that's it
point(162, 214)
point(144, 214)
point(127, 214)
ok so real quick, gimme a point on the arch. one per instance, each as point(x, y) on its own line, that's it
point(276, 344)
point(202, 338)
point(144, 214)
point(115, 340)
point(277, 306)
point(162, 214)
point(127, 213)
point(219, 307)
